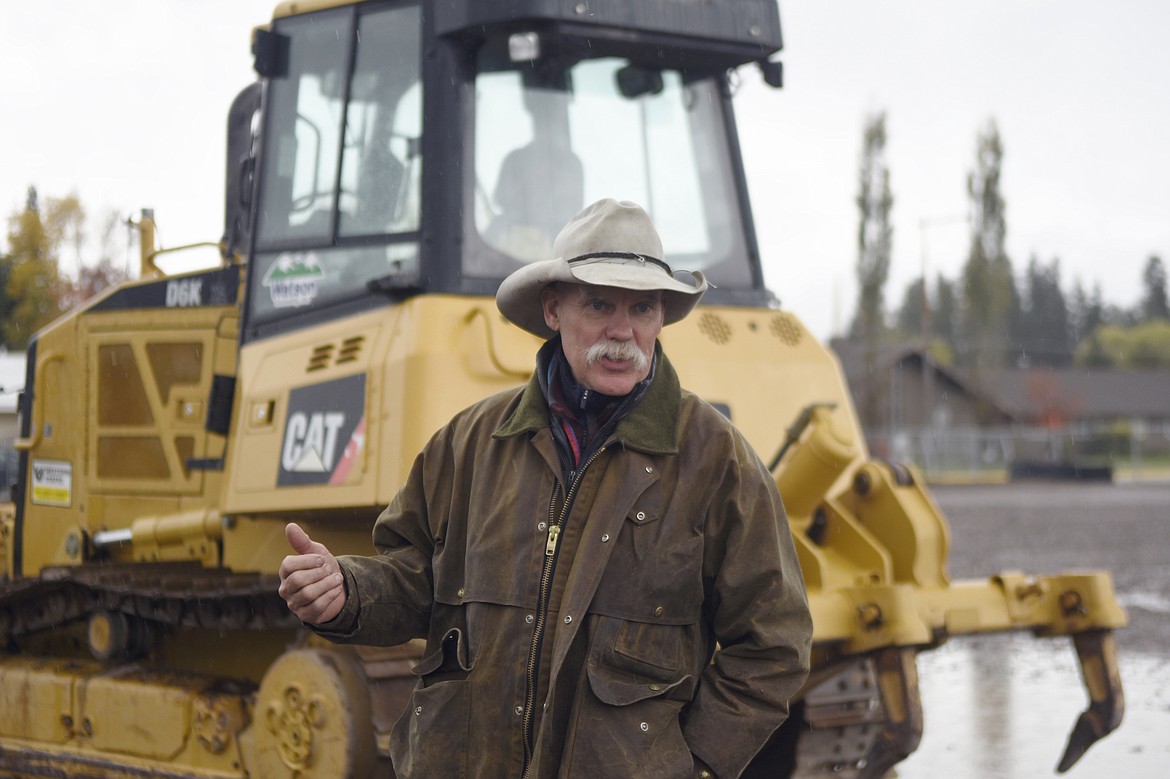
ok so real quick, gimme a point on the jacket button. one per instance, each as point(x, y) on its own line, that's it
point(460, 593)
point(541, 526)
point(568, 618)
point(649, 469)
point(704, 774)
point(656, 687)
point(644, 727)
point(417, 710)
point(528, 618)
point(519, 711)
point(604, 537)
point(658, 612)
point(641, 515)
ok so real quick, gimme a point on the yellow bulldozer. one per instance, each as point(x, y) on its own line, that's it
point(392, 162)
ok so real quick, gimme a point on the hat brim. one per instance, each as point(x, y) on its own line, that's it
point(519, 295)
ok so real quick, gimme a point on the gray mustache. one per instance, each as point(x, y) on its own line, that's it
point(626, 351)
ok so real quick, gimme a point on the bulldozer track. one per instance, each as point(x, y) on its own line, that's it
point(177, 595)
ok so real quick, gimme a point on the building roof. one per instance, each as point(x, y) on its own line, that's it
point(1030, 394)
point(852, 354)
point(1084, 393)
point(11, 380)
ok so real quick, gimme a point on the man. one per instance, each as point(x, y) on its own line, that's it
point(573, 550)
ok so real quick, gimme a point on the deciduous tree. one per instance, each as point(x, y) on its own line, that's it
point(33, 284)
point(34, 290)
point(1141, 347)
point(875, 232)
point(875, 235)
point(990, 303)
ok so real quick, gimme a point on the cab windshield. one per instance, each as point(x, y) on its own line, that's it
point(552, 138)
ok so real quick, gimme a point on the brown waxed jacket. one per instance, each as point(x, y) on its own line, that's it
point(596, 641)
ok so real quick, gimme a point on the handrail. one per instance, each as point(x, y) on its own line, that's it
point(25, 444)
point(492, 356)
point(148, 260)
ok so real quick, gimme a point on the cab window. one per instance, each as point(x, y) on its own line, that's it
point(339, 190)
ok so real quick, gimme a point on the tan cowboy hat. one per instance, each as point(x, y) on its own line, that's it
point(611, 243)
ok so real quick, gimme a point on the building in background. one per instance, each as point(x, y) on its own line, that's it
point(950, 424)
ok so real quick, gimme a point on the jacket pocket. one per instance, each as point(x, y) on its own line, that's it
point(430, 737)
point(452, 657)
point(657, 653)
point(654, 572)
point(628, 728)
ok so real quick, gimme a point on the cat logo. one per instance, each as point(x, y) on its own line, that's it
point(323, 432)
point(310, 441)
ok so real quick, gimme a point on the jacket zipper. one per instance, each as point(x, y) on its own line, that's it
point(551, 548)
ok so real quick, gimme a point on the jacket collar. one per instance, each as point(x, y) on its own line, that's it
point(650, 427)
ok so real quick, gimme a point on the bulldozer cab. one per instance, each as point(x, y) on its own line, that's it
point(406, 149)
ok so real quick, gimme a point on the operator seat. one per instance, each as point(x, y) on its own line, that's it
point(541, 186)
point(378, 192)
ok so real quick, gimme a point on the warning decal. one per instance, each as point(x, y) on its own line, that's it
point(52, 483)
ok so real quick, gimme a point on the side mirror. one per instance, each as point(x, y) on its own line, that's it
point(773, 73)
point(269, 53)
point(635, 81)
point(241, 169)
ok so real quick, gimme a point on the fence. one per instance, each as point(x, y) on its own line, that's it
point(1134, 450)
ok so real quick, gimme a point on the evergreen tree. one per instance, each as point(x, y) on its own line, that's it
point(944, 323)
point(1047, 332)
point(909, 321)
point(942, 317)
point(1087, 313)
point(1154, 303)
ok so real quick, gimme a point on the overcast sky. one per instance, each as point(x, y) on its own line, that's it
point(125, 102)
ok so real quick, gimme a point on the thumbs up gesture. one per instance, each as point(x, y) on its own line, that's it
point(311, 582)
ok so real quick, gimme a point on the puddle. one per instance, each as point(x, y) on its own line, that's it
point(1150, 601)
point(1002, 706)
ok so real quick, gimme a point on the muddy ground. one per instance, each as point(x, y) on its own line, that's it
point(1001, 707)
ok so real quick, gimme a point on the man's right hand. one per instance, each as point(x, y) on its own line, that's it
point(311, 582)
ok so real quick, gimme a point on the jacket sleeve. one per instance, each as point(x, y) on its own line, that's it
point(757, 611)
point(389, 594)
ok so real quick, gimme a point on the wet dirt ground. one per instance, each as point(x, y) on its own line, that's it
point(1001, 707)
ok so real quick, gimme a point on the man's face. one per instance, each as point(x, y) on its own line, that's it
point(607, 333)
